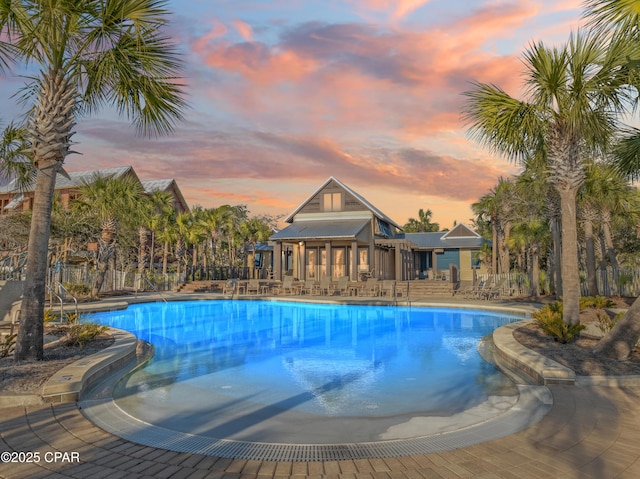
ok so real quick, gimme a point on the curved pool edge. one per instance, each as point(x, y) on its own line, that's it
point(533, 403)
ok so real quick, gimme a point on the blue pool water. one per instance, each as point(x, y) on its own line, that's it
point(222, 366)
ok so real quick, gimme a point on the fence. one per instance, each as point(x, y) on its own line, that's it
point(622, 282)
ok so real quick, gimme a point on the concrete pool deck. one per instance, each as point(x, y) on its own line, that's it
point(590, 431)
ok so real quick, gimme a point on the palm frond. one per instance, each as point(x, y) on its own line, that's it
point(626, 154)
point(15, 159)
point(502, 123)
point(623, 15)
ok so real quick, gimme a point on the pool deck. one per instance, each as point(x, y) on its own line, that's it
point(592, 431)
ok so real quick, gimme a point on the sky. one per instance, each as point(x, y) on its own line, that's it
point(284, 94)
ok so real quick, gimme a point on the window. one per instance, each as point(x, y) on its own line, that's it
point(332, 202)
point(311, 263)
point(363, 259)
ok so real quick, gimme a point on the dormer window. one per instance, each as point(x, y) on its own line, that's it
point(332, 202)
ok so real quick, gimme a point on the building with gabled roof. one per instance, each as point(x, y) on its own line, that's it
point(438, 250)
point(337, 232)
point(14, 199)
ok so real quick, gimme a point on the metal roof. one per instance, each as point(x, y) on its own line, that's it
point(438, 240)
point(151, 186)
point(360, 198)
point(76, 178)
point(330, 229)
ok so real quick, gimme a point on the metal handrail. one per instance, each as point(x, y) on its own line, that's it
point(66, 291)
point(154, 287)
point(52, 292)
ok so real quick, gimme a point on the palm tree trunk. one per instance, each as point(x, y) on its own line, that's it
point(494, 249)
point(106, 250)
point(611, 252)
point(569, 257)
point(165, 257)
point(535, 273)
point(30, 340)
point(590, 252)
point(623, 337)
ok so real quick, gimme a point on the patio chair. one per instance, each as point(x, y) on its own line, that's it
point(483, 287)
point(230, 286)
point(495, 291)
point(253, 286)
point(325, 285)
point(343, 286)
point(388, 288)
point(310, 287)
point(287, 286)
point(371, 288)
point(470, 289)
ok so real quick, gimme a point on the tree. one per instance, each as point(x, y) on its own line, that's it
point(421, 225)
point(532, 233)
point(574, 97)
point(15, 162)
point(624, 18)
point(88, 54)
point(115, 202)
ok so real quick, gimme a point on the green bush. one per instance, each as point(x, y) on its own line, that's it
point(77, 289)
point(7, 345)
point(549, 319)
point(597, 302)
point(50, 316)
point(605, 323)
point(82, 334)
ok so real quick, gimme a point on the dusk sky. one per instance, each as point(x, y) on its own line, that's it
point(285, 93)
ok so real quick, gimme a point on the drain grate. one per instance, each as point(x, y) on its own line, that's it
point(534, 403)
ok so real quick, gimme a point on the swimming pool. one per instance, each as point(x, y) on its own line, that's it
point(290, 372)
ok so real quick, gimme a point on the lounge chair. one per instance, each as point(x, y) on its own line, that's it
point(470, 290)
point(483, 287)
point(495, 291)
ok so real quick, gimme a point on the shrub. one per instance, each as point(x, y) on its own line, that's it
point(549, 319)
point(597, 302)
point(82, 334)
point(7, 345)
point(77, 289)
point(605, 323)
point(50, 316)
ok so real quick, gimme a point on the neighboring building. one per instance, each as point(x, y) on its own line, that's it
point(437, 251)
point(14, 200)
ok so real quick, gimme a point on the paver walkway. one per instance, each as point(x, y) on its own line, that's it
point(591, 432)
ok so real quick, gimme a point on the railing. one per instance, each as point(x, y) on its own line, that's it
point(60, 286)
point(153, 286)
point(53, 293)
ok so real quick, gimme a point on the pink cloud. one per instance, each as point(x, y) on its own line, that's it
point(244, 29)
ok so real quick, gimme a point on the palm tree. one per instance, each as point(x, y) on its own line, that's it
point(152, 213)
point(573, 99)
point(497, 208)
point(533, 234)
point(253, 231)
point(88, 54)
point(15, 162)
point(623, 17)
point(116, 202)
point(422, 224)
